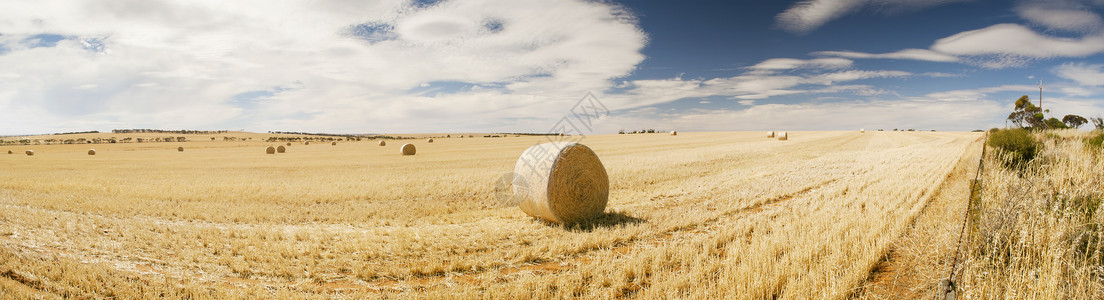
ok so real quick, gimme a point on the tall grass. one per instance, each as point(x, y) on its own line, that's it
point(1036, 233)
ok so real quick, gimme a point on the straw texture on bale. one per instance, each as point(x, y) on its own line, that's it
point(674, 132)
point(270, 150)
point(91, 151)
point(383, 143)
point(782, 136)
point(180, 149)
point(408, 149)
point(429, 140)
point(333, 143)
point(770, 134)
point(30, 152)
point(561, 182)
point(281, 149)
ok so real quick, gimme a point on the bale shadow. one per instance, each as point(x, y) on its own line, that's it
point(606, 220)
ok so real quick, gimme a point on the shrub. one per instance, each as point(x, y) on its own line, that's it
point(1017, 143)
point(1097, 141)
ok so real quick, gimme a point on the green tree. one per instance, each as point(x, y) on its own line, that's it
point(1054, 123)
point(1074, 121)
point(1026, 112)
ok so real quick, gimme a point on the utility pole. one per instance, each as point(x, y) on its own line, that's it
point(1041, 85)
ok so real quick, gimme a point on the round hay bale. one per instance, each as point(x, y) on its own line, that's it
point(674, 132)
point(306, 143)
point(270, 150)
point(862, 130)
point(91, 151)
point(10, 152)
point(281, 149)
point(408, 149)
point(30, 152)
point(179, 149)
point(561, 182)
point(770, 134)
point(333, 143)
point(430, 140)
point(289, 144)
point(383, 143)
point(782, 136)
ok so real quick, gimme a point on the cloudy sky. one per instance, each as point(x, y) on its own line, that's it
point(401, 66)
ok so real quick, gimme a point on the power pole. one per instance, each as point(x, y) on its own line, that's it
point(1041, 85)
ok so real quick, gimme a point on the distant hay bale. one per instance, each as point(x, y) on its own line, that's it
point(281, 149)
point(333, 143)
point(429, 140)
point(306, 143)
point(270, 150)
point(862, 130)
point(674, 132)
point(783, 136)
point(383, 143)
point(408, 149)
point(10, 152)
point(30, 152)
point(770, 134)
point(561, 182)
point(91, 151)
point(289, 144)
point(180, 149)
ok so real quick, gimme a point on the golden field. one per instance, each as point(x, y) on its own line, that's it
point(697, 215)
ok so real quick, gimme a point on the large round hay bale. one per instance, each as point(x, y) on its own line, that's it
point(782, 136)
point(429, 140)
point(770, 134)
point(30, 152)
point(674, 132)
point(270, 150)
point(180, 149)
point(281, 149)
point(408, 149)
point(10, 152)
point(561, 182)
point(91, 151)
point(333, 143)
point(383, 143)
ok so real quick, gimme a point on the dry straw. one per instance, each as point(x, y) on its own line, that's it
point(561, 182)
point(429, 140)
point(281, 149)
point(91, 151)
point(782, 136)
point(270, 150)
point(383, 143)
point(180, 149)
point(408, 149)
point(30, 152)
point(674, 132)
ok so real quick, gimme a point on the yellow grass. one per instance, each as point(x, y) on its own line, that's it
point(707, 215)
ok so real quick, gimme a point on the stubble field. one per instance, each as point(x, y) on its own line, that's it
point(699, 215)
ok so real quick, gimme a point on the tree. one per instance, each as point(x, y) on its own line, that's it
point(1098, 122)
point(1054, 123)
point(1026, 112)
point(1074, 121)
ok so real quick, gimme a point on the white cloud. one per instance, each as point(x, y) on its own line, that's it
point(1017, 40)
point(1084, 74)
point(153, 64)
point(808, 15)
point(792, 63)
point(1058, 18)
point(913, 54)
point(975, 94)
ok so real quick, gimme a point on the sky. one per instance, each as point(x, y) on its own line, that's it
point(401, 66)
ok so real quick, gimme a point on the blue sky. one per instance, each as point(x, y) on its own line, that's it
point(399, 66)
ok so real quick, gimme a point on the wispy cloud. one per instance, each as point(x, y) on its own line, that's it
point(792, 63)
point(1060, 15)
point(911, 54)
point(808, 15)
point(1084, 74)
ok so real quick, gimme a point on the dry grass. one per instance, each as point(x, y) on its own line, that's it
point(707, 215)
